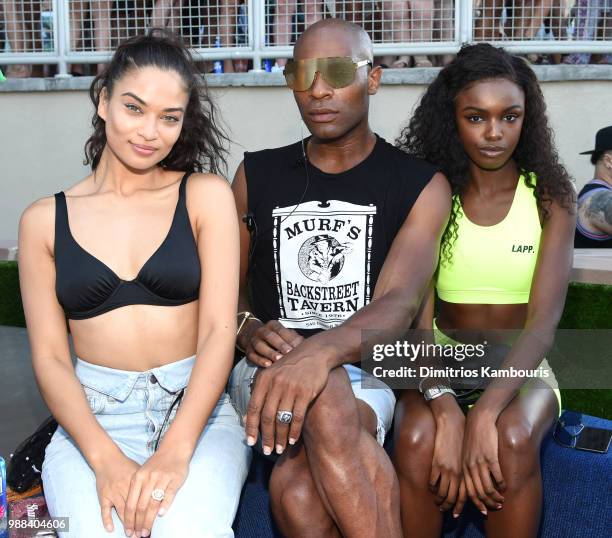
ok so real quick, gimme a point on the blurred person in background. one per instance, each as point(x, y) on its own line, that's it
point(407, 22)
point(395, 29)
point(130, 18)
point(283, 21)
point(421, 27)
point(594, 225)
point(18, 35)
point(589, 15)
point(233, 31)
point(100, 17)
point(166, 14)
point(521, 20)
point(444, 27)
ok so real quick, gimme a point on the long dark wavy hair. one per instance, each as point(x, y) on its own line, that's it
point(432, 132)
point(201, 146)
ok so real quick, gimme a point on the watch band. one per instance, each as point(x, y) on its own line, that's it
point(436, 391)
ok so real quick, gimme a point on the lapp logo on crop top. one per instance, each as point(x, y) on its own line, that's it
point(527, 249)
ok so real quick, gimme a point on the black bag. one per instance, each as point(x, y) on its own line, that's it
point(24, 467)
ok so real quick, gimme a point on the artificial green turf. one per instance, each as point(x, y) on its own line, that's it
point(588, 306)
point(596, 402)
point(11, 311)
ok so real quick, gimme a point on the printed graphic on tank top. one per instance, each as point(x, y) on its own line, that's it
point(322, 261)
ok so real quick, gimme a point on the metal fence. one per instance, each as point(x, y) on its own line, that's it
point(66, 32)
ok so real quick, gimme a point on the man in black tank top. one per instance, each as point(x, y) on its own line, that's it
point(594, 223)
point(340, 233)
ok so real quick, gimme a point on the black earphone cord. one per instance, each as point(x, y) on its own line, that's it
point(251, 223)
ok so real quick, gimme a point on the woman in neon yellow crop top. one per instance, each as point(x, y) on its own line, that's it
point(504, 264)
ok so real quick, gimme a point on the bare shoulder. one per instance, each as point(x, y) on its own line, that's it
point(557, 213)
point(436, 196)
point(208, 187)
point(440, 185)
point(37, 223)
point(39, 213)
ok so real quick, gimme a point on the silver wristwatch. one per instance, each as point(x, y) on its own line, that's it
point(436, 391)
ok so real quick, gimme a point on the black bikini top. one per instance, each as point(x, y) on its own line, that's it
point(86, 287)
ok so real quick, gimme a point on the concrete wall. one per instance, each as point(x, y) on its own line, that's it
point(43, 131)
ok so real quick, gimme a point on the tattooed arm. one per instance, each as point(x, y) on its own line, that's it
point(596, 211)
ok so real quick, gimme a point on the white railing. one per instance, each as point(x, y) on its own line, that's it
point(65, 32)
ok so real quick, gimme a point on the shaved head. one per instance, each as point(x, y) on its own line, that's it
point(329, 35)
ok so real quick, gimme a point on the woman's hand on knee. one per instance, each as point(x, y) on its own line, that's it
point(152, 490)
point(462, 497)
point(113, 483)
point(483, 477)
point(446, 474)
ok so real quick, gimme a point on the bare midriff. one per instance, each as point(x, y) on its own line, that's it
point(480, 318)
point(137, 337)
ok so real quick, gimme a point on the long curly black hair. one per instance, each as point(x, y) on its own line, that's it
point(201, 146)
point(432, 132)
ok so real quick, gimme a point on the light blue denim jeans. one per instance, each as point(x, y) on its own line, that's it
point(131, 407)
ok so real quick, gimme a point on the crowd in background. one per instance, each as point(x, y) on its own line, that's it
point(99, 25)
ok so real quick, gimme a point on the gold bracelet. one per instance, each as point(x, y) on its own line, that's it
point(246, 316)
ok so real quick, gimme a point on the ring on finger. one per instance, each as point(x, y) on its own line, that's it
point(284, 417)
point(158, 494)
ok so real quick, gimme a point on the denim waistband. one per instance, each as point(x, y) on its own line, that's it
point(119, 383)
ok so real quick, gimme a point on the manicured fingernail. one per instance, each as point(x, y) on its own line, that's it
point(455, 516)
point(109, 528)
point(483, 512)
point(128, 532)
point(267, 450)
point(279, 356)
point(499, 506)
point(291, 441)
point(279, 449)
point(250, 440)
point(267, 363)
point(145, 533)
point(287, 349)
point(161, 512)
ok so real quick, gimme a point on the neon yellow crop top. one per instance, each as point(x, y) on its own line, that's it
point(494, 264)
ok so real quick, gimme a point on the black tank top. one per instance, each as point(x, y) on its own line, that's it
point(584, 238)
point(316, 264)
point(86, 287)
